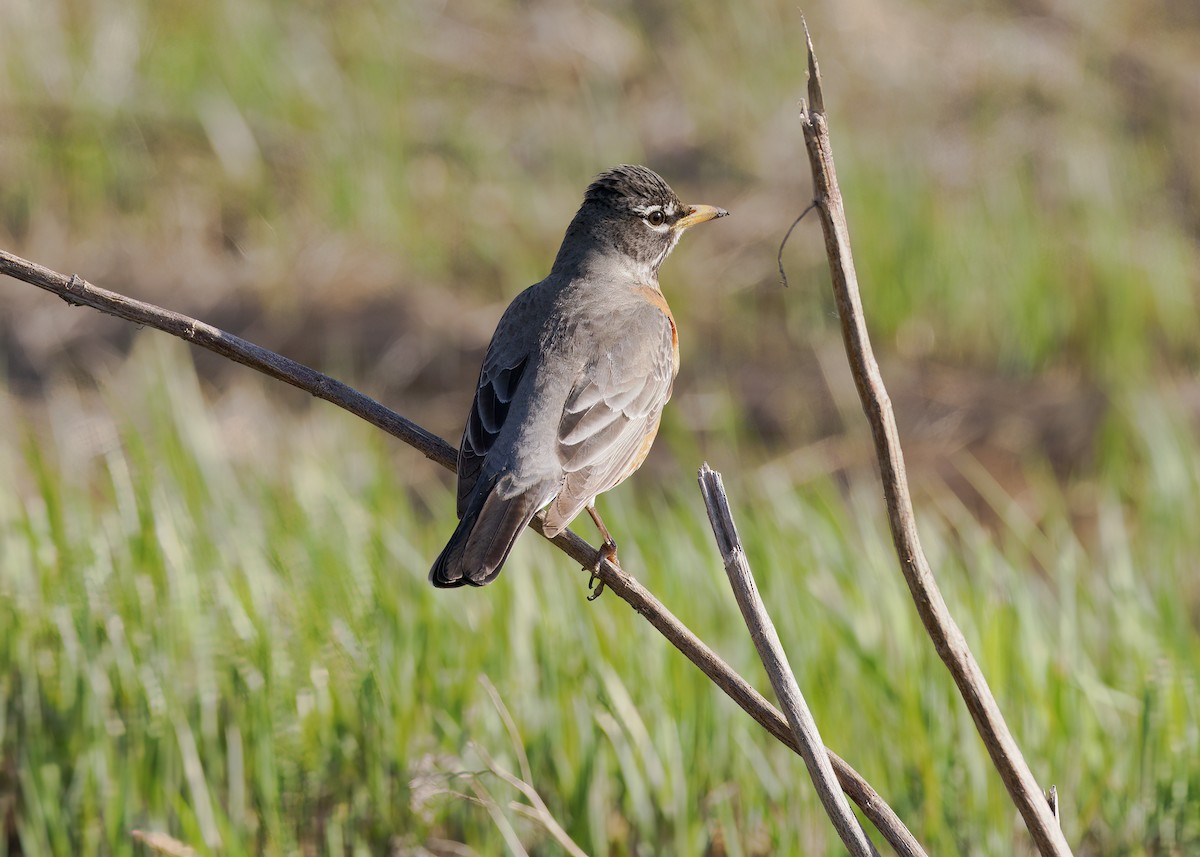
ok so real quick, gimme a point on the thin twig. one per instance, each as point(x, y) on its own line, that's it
point(787, 235)
point(82, 293)
point(770, 652)
point(940, 625)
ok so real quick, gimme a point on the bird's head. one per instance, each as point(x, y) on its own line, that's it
point(631, 209)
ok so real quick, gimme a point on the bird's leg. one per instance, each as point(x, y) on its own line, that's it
point(608, 551)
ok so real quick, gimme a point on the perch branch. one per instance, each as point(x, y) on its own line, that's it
point(770, 652)
point(947, 638)
point(79, 292)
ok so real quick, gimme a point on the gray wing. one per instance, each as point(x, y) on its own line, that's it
point(493, 395)
point(499, 379)
point(612, 415)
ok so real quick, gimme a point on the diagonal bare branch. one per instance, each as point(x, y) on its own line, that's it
point(79, 292)
point(774, 660)
point(939, 624)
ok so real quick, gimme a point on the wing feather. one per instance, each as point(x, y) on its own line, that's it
point(611, 417)
point(494, 394)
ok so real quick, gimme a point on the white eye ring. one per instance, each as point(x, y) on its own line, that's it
point(656, 218)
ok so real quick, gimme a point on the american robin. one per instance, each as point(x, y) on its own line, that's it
point(575, 379)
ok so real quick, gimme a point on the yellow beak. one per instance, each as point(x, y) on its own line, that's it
point(699, 214)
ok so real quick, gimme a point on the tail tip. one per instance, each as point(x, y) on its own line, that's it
point(441, 575)
point(448, 573)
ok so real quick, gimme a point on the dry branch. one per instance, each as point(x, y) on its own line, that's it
point(774, 660)
point(79, 292)
point(947, 638)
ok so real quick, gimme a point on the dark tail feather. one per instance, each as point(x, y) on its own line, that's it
point(482, 541)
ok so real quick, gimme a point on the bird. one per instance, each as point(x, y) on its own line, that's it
point(575, 378)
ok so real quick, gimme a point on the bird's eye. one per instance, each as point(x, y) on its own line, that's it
point(656, 218)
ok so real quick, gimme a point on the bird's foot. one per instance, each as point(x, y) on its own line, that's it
point(608, 551)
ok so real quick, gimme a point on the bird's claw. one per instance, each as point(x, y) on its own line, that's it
point(608, 551)
point(595, 586)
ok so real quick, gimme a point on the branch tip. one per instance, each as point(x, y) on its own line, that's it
point(1052, 799)
point(815, 97)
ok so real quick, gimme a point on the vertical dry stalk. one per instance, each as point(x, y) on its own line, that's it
point(947, 638)
point(770, 652)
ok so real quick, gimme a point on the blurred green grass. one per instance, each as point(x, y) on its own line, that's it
point(219, 627)
point(238, 646)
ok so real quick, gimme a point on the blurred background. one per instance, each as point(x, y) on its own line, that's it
point(212, 589)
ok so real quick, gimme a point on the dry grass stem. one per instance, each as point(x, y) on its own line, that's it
point(536, 809)
point(161, 843)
